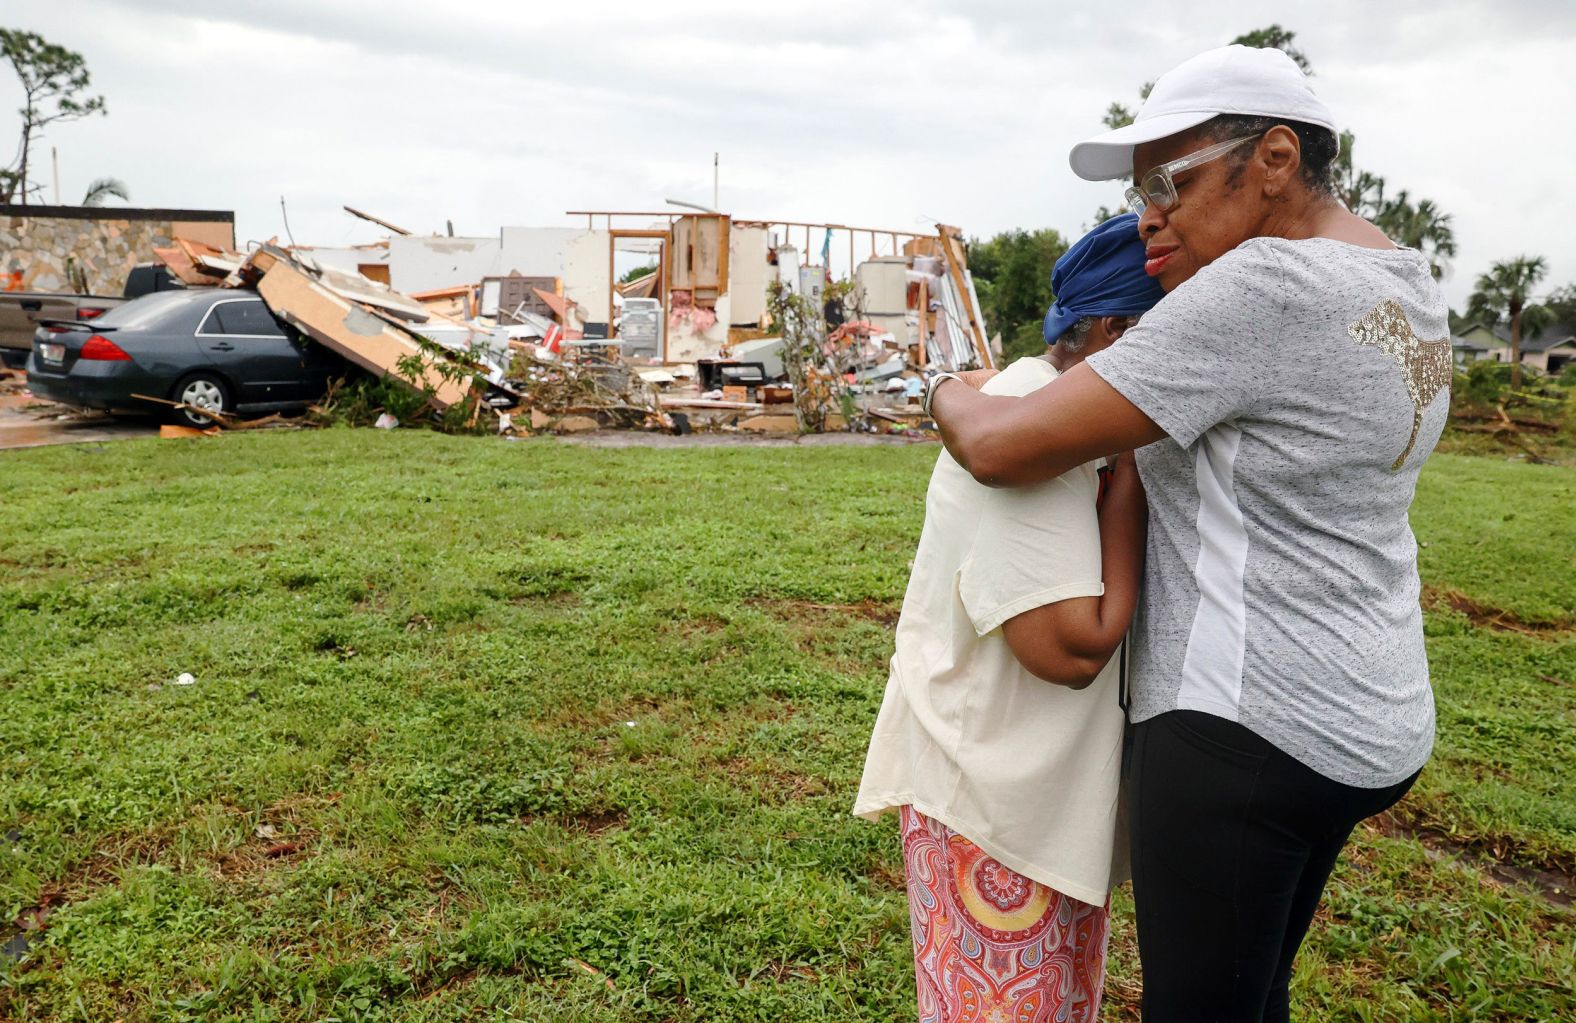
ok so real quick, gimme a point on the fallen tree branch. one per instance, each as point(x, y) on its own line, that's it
point(214, 417)
point(228, 422)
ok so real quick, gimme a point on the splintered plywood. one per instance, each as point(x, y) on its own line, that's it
point(218, 234)
point(699, 244)
point(179, 263)
point(351, 331)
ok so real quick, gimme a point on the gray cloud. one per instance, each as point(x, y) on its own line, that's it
point(864, 112)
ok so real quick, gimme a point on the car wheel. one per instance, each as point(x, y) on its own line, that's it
point(204, 391)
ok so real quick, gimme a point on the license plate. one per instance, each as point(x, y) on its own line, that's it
point(52, 352)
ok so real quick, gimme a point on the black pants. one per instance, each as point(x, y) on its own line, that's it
point(1232, 843)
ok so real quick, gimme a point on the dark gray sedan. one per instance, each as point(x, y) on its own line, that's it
point(213, 348)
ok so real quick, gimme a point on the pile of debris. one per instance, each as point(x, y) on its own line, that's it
point(847, 356)
point(483, 368)
point(517, 354)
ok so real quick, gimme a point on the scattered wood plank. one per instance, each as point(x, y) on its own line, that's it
point(169, 431)
point(771, 424)
point(671, 401)
point(180, 265)
point(907, 417)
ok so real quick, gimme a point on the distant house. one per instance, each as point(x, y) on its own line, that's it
point(1466, 350)
point(1476, 342)
point(1550, 351)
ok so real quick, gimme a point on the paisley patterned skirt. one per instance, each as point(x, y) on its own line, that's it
point(990, 945)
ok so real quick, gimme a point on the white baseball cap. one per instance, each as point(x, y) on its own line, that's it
point(1259, 82)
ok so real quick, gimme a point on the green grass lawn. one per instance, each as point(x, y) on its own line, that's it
point(527, 731)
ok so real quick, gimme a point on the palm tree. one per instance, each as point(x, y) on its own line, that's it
point(1506, 287)
point(1422, 227)
point(102, 188)
point(1363, 194)
point(1360, 191)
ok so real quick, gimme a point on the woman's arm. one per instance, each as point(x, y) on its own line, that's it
point(1068, 642)
point(1004, 441)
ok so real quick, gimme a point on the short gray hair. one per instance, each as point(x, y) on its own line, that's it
point(1075, 337)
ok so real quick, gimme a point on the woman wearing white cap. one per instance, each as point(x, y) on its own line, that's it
point(1284, 396)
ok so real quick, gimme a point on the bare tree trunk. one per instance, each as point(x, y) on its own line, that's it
point(27, 139)
point(1515, 347)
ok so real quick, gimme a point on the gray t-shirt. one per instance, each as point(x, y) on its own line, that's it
point(1302, 385)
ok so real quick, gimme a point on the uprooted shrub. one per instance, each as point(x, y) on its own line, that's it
point(359, 401)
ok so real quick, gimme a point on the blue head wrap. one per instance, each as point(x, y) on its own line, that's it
point(1101, 275)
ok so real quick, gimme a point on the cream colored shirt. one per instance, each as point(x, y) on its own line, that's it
point(1027, 770)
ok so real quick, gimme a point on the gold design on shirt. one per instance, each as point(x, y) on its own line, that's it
point(1425, 365)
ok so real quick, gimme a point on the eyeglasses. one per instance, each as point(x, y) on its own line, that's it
point(1158, 187)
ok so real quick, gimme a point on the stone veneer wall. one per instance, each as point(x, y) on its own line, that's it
point(59, 249)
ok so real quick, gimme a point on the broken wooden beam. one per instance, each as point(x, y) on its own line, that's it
point(349, 329)
point(376, 220)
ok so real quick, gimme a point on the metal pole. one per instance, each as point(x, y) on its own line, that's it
point(714, 178)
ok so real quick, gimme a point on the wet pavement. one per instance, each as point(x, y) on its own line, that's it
point(28, 422)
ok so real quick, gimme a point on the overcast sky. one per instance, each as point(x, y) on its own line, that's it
point(872, 113)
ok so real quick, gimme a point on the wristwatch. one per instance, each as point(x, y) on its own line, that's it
point(930, 391)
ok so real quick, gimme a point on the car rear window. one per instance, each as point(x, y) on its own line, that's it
point(147, 311)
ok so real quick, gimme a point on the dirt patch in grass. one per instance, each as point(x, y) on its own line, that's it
point(590, 822)
point(268, 847)
point(267, 850)
point(781, 972)
point(560, 599)
point(778, 784)
point(702, 625)
point(595, 822)
point(1554, 880)
point(95, 871)
point(880, 612)
point(834, 635)
point(1124, 989)
point(1489, 617)
point(888, 876)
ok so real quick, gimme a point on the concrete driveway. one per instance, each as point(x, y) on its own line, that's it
point(28, 422)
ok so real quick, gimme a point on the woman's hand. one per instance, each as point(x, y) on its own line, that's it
point(1007, 441)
